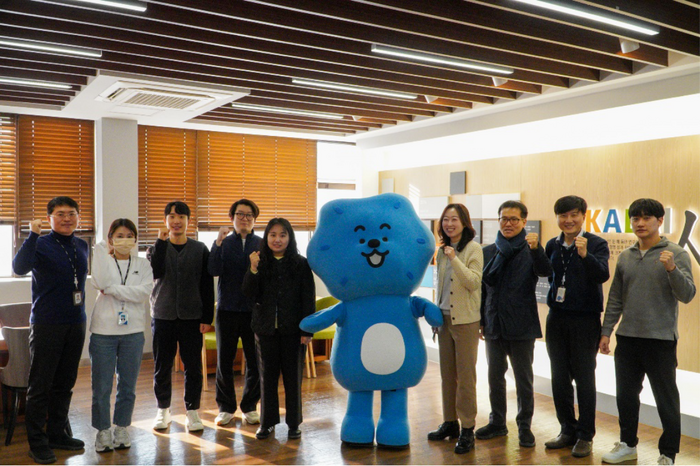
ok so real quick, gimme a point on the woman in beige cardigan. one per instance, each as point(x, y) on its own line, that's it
point(460, 262)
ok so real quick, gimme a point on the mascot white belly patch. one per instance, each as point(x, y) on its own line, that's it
point(383, 349)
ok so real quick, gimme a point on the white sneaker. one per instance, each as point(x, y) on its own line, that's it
point(663, 459)
point(194, 423)
point(103, 441)
point(252, 417)
point(121, 438)
point(621, 452)
point(162, 420)
point(223, 418)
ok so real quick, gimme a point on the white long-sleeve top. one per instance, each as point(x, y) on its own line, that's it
point(134, 294)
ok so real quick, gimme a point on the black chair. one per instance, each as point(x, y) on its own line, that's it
point(14, 377)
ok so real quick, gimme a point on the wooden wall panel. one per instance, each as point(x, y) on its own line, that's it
point(607, 177)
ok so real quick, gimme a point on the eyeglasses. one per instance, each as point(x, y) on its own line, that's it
point(511, 220)
point(61, 215)
point(242, 215)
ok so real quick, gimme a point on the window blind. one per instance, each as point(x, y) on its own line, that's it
point(8, 168)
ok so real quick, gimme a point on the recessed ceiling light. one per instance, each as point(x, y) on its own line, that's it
point(133, 5)
point(48, 47)
point(439, 59)
point(354, 89)
point(594, 15)
point(34, 83)
point(289, 111)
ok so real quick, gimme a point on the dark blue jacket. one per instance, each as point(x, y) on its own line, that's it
point(52, 276)
point(229, 262)
point(509, 308)
point(584, 277)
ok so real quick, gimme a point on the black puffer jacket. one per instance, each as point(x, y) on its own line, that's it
point(509, 308)
point(284, 292)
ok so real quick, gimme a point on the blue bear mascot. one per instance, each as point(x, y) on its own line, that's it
point(371, 254)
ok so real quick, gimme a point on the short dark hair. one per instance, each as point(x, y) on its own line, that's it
point(122, 222)
point(291, 250)
point(247, 202)
point(468, 233)
point(61, 200)
point(180, 208)
point(568, 203)
point(644, 206)
point(514, 205)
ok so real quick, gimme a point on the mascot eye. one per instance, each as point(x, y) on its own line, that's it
point(385, 239)
point(362, 241)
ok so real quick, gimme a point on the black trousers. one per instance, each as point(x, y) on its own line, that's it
point(167, 335)
point(521, 354)
point(572, 345)
point(55, 352)
point(280, 354)
point(634, 358)
point(230, 326)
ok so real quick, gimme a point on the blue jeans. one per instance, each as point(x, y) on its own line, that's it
point(108, 353)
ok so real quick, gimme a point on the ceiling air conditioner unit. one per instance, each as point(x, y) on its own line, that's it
point(155, 96)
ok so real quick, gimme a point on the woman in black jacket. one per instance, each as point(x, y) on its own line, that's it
point(282, 285)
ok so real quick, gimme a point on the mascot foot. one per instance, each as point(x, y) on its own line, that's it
point(393, 447)
point(358, 445)
point(393, 430)
point(357, 431)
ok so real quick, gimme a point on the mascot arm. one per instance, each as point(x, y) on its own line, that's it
point(323, 319)
point(422, 307)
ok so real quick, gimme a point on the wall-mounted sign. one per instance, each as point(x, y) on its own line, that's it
point(615, 222)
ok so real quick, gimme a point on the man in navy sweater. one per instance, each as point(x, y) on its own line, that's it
point(580, 267)
point(229, 260)
point(58, 262)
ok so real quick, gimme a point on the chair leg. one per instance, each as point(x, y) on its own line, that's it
point(242, 362)
point(13, 416)
point(205, 368)
point(307, 368)
point(312, 358)
point(5, 407)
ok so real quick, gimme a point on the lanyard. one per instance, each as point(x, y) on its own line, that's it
point(72, 264)
point(123, 279)
point(565, 264)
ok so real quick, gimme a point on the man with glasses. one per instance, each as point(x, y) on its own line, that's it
point(575, 300)
point(509, 318)
point(229, 260)
point(58, 262)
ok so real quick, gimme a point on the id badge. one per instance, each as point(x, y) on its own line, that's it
point(77, 298)
point(561, 291)
point(123, 318)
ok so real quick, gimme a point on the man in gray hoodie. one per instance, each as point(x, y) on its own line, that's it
point(650, 278)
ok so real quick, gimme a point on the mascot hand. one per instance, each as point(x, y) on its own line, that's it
point(322, 319)
point(422, 307)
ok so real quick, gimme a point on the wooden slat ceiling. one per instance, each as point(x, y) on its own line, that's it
point(264, 44)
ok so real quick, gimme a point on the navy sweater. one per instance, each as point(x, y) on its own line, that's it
point(584, 277)
point(229, 262)
point(52, 276)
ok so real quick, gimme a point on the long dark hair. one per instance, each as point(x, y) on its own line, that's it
point(468, 233)
point(122, 222)
point(265, 251)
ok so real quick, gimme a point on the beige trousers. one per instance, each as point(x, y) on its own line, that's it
point(459, 346)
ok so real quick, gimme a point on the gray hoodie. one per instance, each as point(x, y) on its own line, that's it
point(646, 295)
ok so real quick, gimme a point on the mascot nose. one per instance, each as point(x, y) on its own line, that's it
point(373, 243)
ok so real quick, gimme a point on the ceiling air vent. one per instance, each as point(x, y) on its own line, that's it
point(133, 94)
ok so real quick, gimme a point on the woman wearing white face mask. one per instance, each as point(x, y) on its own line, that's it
point(117, 325)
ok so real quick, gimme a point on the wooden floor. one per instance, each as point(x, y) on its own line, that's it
point(324, 405)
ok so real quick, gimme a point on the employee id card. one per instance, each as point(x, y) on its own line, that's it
point(561, 291)
point(77, 298)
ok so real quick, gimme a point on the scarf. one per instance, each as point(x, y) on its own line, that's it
point(506, 250)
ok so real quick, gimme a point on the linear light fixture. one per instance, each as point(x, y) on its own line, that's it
point(34, 83)
point(354, 89)
point(133, 5)
point(439, 59)
point(594, 15)
point(48, 47)
point(288, 111)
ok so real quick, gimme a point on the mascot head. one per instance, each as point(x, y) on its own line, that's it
point(371, 246)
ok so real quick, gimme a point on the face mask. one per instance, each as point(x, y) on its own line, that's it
point(124, 245)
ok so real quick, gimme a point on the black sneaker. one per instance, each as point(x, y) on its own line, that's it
point(526, 438)
point(65, 442)
point(446, 429)
point(465, 442)
point(491, 431)
point(42, 455)
point(264, 432)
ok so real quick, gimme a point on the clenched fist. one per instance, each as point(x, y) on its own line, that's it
point(533, 240)
point(581, 245)
point(666, 259)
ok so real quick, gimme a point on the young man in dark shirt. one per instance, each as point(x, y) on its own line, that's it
point(182, 307)
point(58, 262)
point(580, 267)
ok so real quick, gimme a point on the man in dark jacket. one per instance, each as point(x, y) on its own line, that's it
point(509, 318)
point(575, 300)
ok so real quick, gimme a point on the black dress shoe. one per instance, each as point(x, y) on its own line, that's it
point(294, 433)
point(526, 438)
point(490, 431)
point(42, 455)
point(465, 442)
point(264, 432)
point(446, 429)
point(561, 441)
point(66, 443)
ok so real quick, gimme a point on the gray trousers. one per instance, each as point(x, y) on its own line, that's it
point(521, 354)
